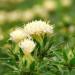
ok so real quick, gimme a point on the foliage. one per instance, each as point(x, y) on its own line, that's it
point(54, 56)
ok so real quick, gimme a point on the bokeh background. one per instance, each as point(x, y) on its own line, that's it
point(15, 13)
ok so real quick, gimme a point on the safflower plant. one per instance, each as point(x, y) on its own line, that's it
point(35, 51)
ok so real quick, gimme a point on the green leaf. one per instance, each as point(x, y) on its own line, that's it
point(72, 61)
point(65, 56)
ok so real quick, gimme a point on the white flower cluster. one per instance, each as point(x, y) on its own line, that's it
point(21, 36)
point(38, 27)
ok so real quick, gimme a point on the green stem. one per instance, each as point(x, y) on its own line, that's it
point(69, 72)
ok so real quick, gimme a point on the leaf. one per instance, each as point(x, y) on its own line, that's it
point(65, 56)
point(72, 61)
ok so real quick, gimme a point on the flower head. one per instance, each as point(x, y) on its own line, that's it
point(17, 35)
point(27, 15)
point(40, 11)
point(27, 45)
point(38, 27)
point(66, 3)
point(15, 15)
point(50, 5)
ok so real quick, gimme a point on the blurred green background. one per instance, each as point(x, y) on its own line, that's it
point(15, 13)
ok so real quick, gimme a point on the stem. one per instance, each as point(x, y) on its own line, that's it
point(10, 66)
point(69, 72)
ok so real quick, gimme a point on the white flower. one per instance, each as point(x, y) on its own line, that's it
point(66, 3)
point(40, 11)
point(38, 27)
point(27, 15)
point(17, 35)
point(13, 16)
point(2, 17)
point(50, 5)
point(27, 45)
point(72, 28)
point(1, 35)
